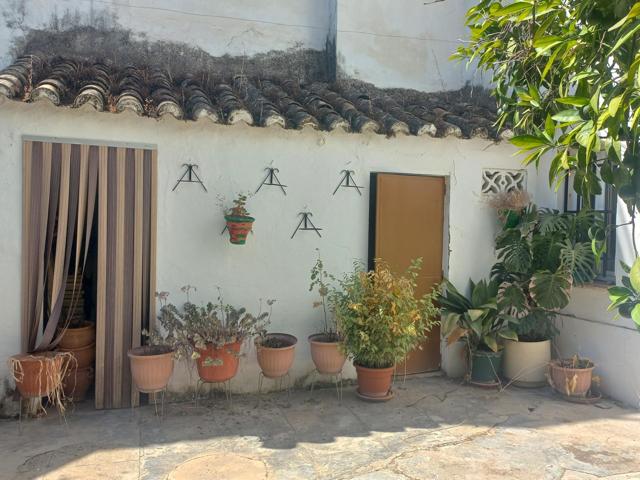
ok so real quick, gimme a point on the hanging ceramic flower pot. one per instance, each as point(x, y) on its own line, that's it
point(239, 227)
point(239, 222)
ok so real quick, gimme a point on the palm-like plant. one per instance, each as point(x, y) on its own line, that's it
point(477, 319)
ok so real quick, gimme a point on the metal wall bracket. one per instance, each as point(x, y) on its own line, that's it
point(272, 180)
point(306, 224)
point(347, 181)
point(189, 176)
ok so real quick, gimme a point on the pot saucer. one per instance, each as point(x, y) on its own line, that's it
point(590, 399)
point(485, 385)
point(366, 398)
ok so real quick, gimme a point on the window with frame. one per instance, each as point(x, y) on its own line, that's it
point(606, 204)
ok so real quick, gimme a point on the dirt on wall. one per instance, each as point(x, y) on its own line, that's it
point(100, 37)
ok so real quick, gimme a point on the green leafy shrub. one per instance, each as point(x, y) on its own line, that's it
point(194, 326)
point(626, 298)
point(476, 319)
point(379, 316)
point(540, 257)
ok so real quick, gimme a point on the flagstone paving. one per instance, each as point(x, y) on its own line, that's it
point(434, 428)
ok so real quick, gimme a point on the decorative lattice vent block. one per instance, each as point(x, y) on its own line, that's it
point(496, 180)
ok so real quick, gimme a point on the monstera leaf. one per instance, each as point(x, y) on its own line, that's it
point(551, 290)
point(579, 260)
point(514, 251)
point(512, 300)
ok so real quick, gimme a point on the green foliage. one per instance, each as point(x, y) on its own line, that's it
point(477, 319)
point(558, 254)
point(378, 315)
point(626, 298)
point(565, 76)
point(195, 326)
point(320, 279)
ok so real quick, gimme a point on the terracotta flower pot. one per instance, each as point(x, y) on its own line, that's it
point(38, 374)
point(374, 383)
point(151, 367)
point(218, 364)
point(84, 355)
point(326, 356)
point(76, 383)
point(572, 382)
point(275, 362)
point(78, 337)
point(526, 363)
point(239, 227)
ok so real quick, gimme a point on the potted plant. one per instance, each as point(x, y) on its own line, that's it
point(479, 322)
point(40, 374)
point(211, 334)
point(541, 254)
point(326, 352)
point(239, 222)
point(571, 377)
point(380, 320)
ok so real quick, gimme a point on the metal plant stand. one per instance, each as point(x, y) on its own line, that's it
point(280, 381)
point(335, 377)
point(61, 416)
point(154, 394)
point(226, 389)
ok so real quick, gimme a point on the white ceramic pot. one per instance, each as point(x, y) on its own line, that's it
point(454, 358)
point(527, 363)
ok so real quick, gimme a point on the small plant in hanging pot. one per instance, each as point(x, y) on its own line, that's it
point(239, 222)
point(381, 321)
point(326, 349)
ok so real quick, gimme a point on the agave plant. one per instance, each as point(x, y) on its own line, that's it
point(476, 319)
point(539, 260)
point(626, 298)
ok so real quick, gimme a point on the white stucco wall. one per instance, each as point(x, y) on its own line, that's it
point(271, 265)
point(587, 328)
point(233, 27)
point(404, 43)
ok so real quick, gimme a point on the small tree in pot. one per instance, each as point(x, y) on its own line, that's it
point(326, 352)
point(380, 320)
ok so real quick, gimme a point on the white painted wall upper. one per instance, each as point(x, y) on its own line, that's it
point(233, 27)
point(404, 43)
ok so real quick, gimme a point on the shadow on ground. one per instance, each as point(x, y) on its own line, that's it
point(433, 428)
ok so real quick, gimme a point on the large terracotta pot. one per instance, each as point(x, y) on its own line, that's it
point(572, 382)
point(151, 367)
point(276, 362)
point(38, 374)
point(326, 356)
point(78, 337)
point(218, 364)
point(84, 355)
point(374, 383)
point(239, 227)
point(76, 383)
point(526, 363)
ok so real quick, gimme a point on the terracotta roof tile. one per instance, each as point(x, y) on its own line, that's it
point(346, 105)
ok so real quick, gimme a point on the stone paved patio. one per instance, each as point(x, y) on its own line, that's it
point(434, 429)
